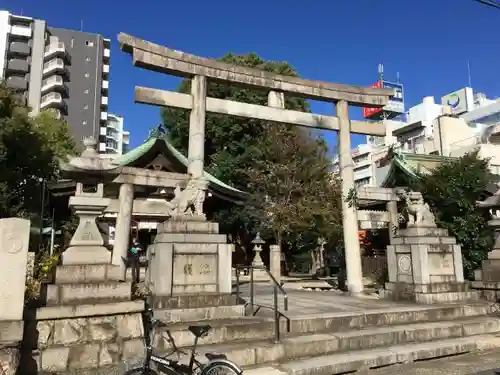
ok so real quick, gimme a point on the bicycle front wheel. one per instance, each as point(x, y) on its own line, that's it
point(221, 367)
point(140, 371)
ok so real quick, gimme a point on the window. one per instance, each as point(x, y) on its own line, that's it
point(87, 59)
point(87, 75)
point(89, 43)
point(72, 42)
point(86, 106)
point(86, 91)
point(84, 122)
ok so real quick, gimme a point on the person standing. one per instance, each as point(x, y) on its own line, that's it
point(135, 253)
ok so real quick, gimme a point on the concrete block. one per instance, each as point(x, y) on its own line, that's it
point(54, 359)
point(200, 313)
point(182, 226)
point(11, 331)
point(190, 238)
point(73, 294)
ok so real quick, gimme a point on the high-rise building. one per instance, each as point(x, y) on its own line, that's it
point(85, 74)
point(59, 69)
point(22, 50)
point(116, 138)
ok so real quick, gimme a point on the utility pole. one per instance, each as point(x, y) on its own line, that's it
point(491, 3)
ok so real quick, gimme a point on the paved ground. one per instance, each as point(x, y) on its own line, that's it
point(315, 302)
point(459, 365)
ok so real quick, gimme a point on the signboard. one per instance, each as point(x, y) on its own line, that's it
point(370, 112)
point(394, 107)
point(459, 101)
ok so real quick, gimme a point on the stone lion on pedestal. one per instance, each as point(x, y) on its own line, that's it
point(419, 212)
point(188, 202)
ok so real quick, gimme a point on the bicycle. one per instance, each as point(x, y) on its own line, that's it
point(218, 364)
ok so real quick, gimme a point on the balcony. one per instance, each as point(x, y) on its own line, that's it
point(104, 101)
point(54, 66)
point(17, 83)
point(54, 49)
point(105, 69)
point(54, 83)
point(104, 116)
point(106, 53)
point(21, 30)
point(19, 49)
point(57, 114)
point(113, 135)
point(52, 100)
point(18, 66)
point(113, 124)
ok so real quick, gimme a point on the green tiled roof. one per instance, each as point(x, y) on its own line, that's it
point(413, 164)
point(158, 136)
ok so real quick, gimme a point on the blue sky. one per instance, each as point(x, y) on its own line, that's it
point(427, 41)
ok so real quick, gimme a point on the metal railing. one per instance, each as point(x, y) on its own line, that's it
point(277, 288)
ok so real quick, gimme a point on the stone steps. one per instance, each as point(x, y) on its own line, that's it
point(372, 358)
point(293, 347)
point(257, 328)
point(223, 331)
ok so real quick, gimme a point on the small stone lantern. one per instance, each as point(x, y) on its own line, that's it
point(490, 271)
point(257, 263)
point(258, 242)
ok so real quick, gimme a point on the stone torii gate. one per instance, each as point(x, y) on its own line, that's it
point(162, 59)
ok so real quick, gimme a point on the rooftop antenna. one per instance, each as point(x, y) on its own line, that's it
point(381, 71)
point(469, 74)
point(81, 25)
point(397, 77)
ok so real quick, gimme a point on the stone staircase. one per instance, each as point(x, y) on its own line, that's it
point(336, 343)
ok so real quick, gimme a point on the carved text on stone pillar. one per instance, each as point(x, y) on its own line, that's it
point(188, 270)
point(205, 269)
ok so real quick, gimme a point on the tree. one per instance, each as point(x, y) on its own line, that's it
point(237, 151)
point(30, 149)
point(452, 190)
point(292, 186)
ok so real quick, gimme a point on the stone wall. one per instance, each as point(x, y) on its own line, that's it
point(67, 346)
point(9, 358)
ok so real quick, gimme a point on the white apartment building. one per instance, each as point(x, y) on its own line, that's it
point(66, 71)
point(461, 123)
point(114, 138)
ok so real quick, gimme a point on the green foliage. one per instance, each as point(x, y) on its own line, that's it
point(30, 149)
point(292, 187)
point(43, 270)
point(285, 169)
point(452, 191)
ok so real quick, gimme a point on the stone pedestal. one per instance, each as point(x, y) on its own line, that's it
point(189, 273)
point(189, 257)
point(425, 266)
point(487, 279)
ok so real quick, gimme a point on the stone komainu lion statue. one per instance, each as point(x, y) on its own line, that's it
point(419, 212)
point(188, 201)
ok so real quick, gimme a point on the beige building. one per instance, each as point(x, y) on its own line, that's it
point(462, 123)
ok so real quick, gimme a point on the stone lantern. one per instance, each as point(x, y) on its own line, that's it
point(257, 263)
point(487, 279)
